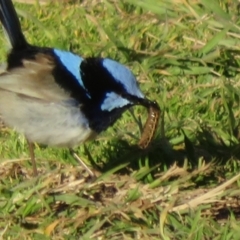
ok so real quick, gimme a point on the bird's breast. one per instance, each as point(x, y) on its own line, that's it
point(59, 124)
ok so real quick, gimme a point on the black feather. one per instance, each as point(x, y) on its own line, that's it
point(11, 24)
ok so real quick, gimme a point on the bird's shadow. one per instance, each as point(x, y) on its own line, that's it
point(127, 158)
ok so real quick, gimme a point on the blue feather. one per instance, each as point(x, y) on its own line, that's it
point(72, 63)
point(113, 101)
point(123, 75)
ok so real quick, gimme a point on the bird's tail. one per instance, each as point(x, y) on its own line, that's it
point(11, 24)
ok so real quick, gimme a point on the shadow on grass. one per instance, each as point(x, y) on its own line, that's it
point(161, 155)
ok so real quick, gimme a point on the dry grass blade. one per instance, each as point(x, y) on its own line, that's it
point(209, 197)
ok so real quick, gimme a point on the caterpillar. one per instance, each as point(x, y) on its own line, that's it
point(150, 126)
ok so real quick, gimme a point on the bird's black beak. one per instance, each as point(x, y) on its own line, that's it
point(143, 102)
point(148, 103)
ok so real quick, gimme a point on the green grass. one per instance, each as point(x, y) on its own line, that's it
point(186, 56)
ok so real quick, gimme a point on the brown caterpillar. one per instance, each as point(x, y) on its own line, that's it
point(150, 126)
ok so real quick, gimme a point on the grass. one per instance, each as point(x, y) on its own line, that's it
point(186, 184)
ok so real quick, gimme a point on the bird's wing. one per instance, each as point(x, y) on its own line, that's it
point(34, 80)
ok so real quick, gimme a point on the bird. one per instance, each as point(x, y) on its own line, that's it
point(58, 98)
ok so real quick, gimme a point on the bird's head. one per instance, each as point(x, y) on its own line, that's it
point(110, 84)
point(112, 87)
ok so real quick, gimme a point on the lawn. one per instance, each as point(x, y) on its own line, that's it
point(186, 56)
